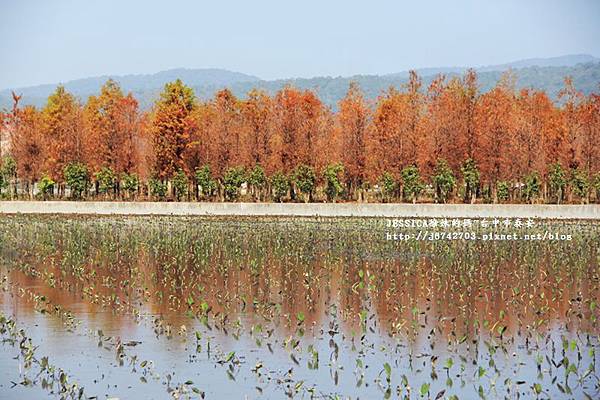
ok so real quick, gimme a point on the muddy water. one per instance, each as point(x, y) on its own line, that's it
point(267, 308)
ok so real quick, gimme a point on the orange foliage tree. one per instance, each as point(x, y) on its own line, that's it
point(223, 138)
point(62, 126)
point(352, 130)
point(28, 146)
point(397, 123)
point(171, 125)
point(300, 128)
point(112, 130)
point(257, 115)
point(571, 122)
point(442, 123)
point(539, 137)
point(495, 135)
point(590, 134)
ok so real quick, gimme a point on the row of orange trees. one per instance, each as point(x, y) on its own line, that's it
point(446, 142)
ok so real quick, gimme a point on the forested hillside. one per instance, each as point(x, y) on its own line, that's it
point(586, 78)
point(541, 74)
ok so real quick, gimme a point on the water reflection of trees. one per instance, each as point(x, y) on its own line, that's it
point(464, 289)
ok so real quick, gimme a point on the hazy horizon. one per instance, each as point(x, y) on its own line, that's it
point(60, 41)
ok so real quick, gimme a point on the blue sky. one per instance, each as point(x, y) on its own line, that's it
point(45, 41)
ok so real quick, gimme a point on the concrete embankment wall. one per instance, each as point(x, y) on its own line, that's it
point(591, 211)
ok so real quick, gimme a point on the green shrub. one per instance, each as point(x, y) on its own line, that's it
point(413, 185)
point(557, 181)
point(77, 179)
point(8, 167)
point(502, 190)
point(485, 193)
point(597, 186)
point(232, 181)
point(257, 177)
point(205, 180)
point(158, 188)
point(470, 174)
point(388, 186)
point(46, 186)
point(533, 185)
point(107, 180)
point(305, 179)
point(280, 185)
point(580, 183)
point(443, 181)
point(333, 176)
point(8, 170)
point(130, 183)
point(180, 185)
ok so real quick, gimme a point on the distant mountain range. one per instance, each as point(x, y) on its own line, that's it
point(540, 73)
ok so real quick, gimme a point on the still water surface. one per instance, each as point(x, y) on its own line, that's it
point(165, 307)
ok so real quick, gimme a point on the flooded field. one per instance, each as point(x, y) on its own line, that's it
point(235, 308)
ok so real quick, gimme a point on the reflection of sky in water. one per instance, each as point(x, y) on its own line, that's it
point(420, 353)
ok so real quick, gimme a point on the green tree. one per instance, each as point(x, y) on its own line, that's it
point(580, 183)
point(558, 181)
point(205, 180)
point(233, 179)
point(77, 179)
point(305, 179)
point(8, 174)
point(597, 186)
point(3, 183)
point(257, 180)
point(281, 186)
point(443, 181)
point(180, 185)
point(130, 183)
point(107, 180)
point(533, 184)
point(333, 175)
point(388, 186)
point(158, 188)
point(470, 173)
point(412, 182)
point(46, 186)
point(502, 190)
